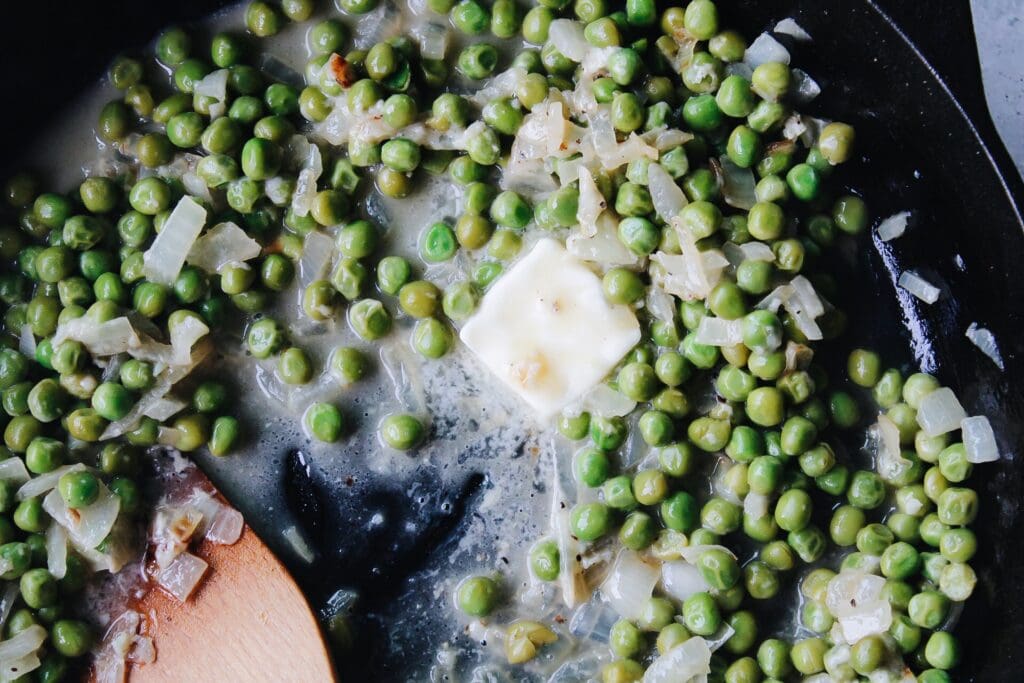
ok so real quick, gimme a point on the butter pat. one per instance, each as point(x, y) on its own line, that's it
point(547, 331)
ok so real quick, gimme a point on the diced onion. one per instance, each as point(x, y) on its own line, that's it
point(13, 470)
point(43, 483)
point(894, 226)
point(607, 402)
point(684, 663)
point(182, 576)
point(164, 408)
point(10, 594)
point(604, 246)
point(789, 27)
point(567, 37)
point(499, 86)
point(692, 553)
point(668, 198)
point(316, 254)
point(793, 127)
point(714, 331)
point(629, 584)
point(855, 599)
point(737, 185)
point(298, 543)
point(765, 49)
point(27, 341)
point(215, 86)
point(919, 287)
point(305, 184)
point(804, 88)
point(755, 505)
point(433, 39)
point(18, 654)
point(661, 305)
point(102, 339)
point(798, 356)
point(278, 190)
point(986, 341)
point(224, 245)
point(979, 440)
point(591, 203)
point(163, 260)
point(681, 579)
point(889, 460)
point(88, 526)
point(691, 275)
point(804, 290)
point(56, 550)
point(940, 412)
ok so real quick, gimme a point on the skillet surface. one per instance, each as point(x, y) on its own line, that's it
point(909, 82)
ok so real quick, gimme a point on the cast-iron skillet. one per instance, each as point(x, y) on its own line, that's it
point(908, 79)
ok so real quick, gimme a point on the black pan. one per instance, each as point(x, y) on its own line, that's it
point(906, 74)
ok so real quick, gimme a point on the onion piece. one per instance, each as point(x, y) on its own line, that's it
point(804, 88)
point(316, 254)
point(680, 579)
point(101, 339)
point(10, 595)
point(163, 260)
point(14, 471)
point(305, 184)
point(682, 664)
point(223, 245)
point(604, 246)
point(855, 599)
point(607, 402)
point(215, 86)
point(298, 543)
point(227, 526)
point(499, 86)
point(789, 27)
point(765, 49)
point(56, 550)
point(692, 274)
point(27, 341)
point(18, 654)
point(44, 483)
point(432, 38)
point(919, 287)
point(755, 505)
point(668, 198)
point(892, 227)
point(986, 341)
point(567, 37)
point(889, 460)
point(793, 127)
point(737, 185)
point(692, 553)
point(798, 356)
point(88, 526)
point(570, 575)
point(164, 408)
point(940, 412)
point(629, 584)
point(979, 440)
point(714, 331)
point(182, 576)
point(661, 305)
point(591, 203)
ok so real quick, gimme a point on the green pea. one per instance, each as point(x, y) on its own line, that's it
point(294, 366)
point(591, 467)
point(324, 422)
point(545, 560)
point(79, 489)
point(70, 637)
point(402, 432)
point(701, 615)
point(477, 61)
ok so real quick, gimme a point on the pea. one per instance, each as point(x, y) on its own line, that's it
point(38, 589)
point(79, 489)
point(70, 637)
point(701, 615)
point(401, 431)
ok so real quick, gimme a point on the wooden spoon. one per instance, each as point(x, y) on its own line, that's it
point(246, 622)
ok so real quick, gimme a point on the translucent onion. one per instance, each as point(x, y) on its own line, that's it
point(164, 408)
point(44, 483)
point(793, 127)
point(661, 305)
point(19, 654)
point(607, 402)
point(432, 38)
point(10, 595)
point(889, 460)
point(668, 198)
point(182, 576)
point(27, 341)
point(789, 27)
point(604, 246)
point(629, 584)
point(567, 37)
point(501, 85)
point(305, 184)
point(682, 664)
point(979, 440)
point(681, 579)
point(894, 226)
point(223, 245)
point(765, 49)
point(804, 88)
point(737, 185)
point(298, 543)
point(719, 332)
point(855, 599)
point(56, 550)
point(591, 203)
point(163, 260)
point(940, 412)
point(88, 526)
point(755, 505)
point(919, 287)
point(13, 470)
point(570, 575)
point(101, 339)
point(986, 341)
point(215, 86)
